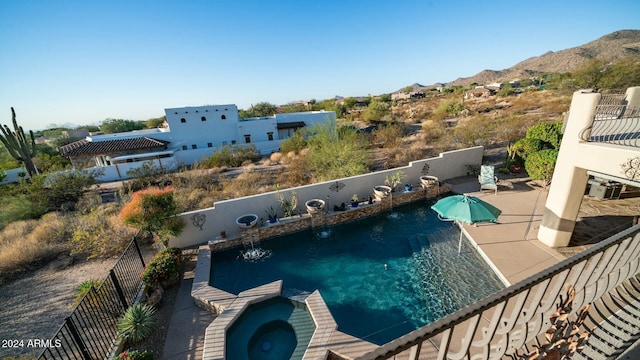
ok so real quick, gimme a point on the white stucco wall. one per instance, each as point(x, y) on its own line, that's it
point(575, 158)
point(195, 131)
point(223, 214)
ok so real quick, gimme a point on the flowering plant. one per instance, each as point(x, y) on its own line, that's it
point(135, 355)
point(164, 268)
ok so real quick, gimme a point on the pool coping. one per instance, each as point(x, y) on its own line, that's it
point(228, 307)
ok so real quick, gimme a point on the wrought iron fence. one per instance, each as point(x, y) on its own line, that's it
point(614, 122)
point(90, 331)
point(516, 317)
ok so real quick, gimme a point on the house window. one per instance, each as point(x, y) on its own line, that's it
point(203, 118)
point(247, 138)
point(194, 146)
point(233, 142)
point(184, 147)
point(183, 120)
point(209, 145)
point(224, 143)
point(223, 117)
point(270, 135)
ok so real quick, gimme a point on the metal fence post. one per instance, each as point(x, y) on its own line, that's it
point(135, 242)
point(76, 337)
point(119, 291)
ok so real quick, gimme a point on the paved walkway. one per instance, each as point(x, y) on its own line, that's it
point(510, 244)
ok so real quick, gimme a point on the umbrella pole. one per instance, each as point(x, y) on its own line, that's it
point(460, 241)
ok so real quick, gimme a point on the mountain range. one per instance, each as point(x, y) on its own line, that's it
point(611, 47)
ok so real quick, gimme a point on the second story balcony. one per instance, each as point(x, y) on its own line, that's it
point(615, 122)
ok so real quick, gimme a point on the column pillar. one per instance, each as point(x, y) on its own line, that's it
point(569, 181)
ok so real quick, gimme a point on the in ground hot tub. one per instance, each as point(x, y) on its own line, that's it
point(277, 328)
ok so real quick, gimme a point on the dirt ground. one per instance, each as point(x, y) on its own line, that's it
point(34, 305)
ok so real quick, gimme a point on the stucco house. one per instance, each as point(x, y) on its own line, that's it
point(190, 134)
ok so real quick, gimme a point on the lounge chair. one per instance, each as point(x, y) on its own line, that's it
point(487, 179)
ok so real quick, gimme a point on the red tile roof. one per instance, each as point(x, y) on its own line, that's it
point(86, 147)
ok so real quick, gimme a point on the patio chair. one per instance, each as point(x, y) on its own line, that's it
point(487, 179)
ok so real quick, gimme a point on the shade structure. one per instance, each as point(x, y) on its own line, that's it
point(468, 209)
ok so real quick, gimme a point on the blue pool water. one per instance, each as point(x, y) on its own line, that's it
point(278, 328)
point(381, 277)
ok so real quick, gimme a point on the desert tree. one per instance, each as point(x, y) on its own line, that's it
point(18, 146)
point(153, 211)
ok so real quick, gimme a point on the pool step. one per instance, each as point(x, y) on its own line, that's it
point(429, 278)
point(444, 249)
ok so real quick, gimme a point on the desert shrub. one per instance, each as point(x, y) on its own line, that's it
point(336, 152)
point(247, 183)
point(137, 323)
point(154, 211)
point(164, 269)
point(433, 129)
point(294, 143)
point(25, 244)
point(19, 207)
point(275, 158)
point(100, 233)
point(84, 288)
point(448, 107)
point(377, 110)
point(232, 156)
point(540, 164)
point(189, 199)
point(60, 190)
point(388, 136)
point(135, 355)
point(146, 175)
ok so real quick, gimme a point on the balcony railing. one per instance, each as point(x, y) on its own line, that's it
point(516, 318)
point(614, 122)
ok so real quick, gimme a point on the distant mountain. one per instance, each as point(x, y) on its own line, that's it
point(610, 47)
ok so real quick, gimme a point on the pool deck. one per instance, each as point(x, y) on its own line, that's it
point(510, 245)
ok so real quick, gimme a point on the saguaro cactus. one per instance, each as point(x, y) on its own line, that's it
point(18, 146)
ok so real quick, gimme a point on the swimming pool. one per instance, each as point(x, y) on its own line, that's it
point(381, 277)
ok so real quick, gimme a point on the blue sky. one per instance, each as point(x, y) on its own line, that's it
point(84, 61)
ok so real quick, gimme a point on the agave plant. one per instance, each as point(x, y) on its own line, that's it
point(137, 323)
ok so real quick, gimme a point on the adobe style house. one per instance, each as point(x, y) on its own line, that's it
point(191, 133)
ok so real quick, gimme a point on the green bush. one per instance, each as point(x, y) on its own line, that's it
point(448, 107)
point(164, 268)
point(232, 156)
point(137, 323)
point(19, 207)
point(549, 133)
point(135, 355)
point(540, 165)
point(336, 153)
point(294, 143)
